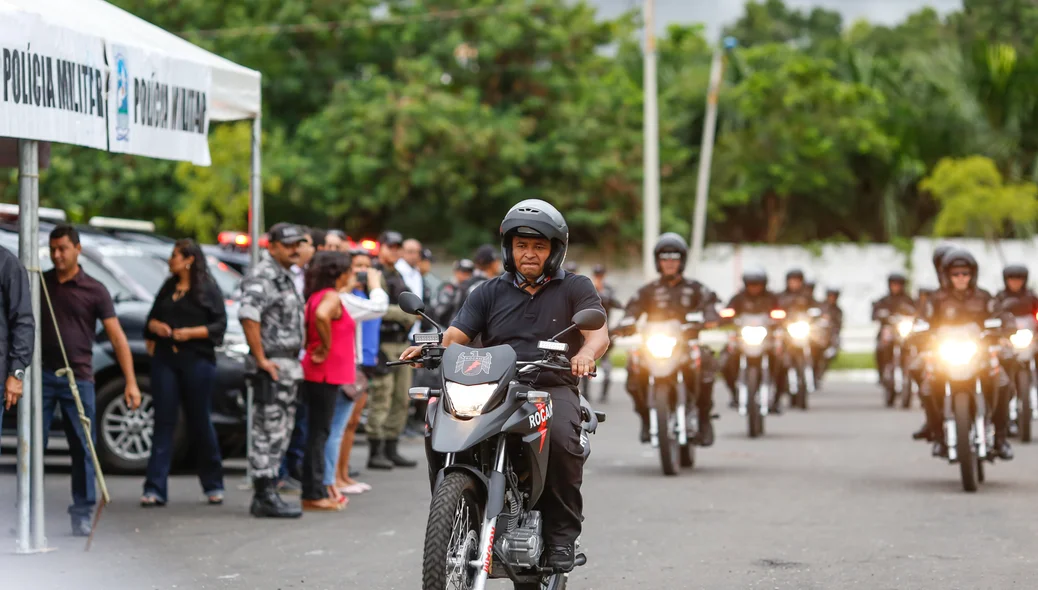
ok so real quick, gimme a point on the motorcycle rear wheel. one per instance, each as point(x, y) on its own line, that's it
point(800, 401)
point(964, 442)
point(452, 534)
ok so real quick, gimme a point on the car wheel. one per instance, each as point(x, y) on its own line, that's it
point(124, 436)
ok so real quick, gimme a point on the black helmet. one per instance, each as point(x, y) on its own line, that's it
point(832, 290)
point(926, 291)
point(938, 255)
point(570, 267)
point(755, 276)
point(959, 257)
point(485, 255)
point(671, 242)
point(534, 217)
point(795, 273)
point(598, 270)
point(896, 277)
point(1015, 271)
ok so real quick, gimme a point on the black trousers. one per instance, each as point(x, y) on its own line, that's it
point(320, 401)
point(561, 504)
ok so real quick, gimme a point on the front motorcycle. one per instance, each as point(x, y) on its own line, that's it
point(1023, 409)
point(897, 376)
point(800, 357)
point(962, 359)
point(751, 342)
point(489, 435)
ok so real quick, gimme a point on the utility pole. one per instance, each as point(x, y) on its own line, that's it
point(650, 151)
point(707, 154)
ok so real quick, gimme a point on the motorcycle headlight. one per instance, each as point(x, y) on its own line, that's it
point(661, 346)
point(754, 335)
point(1021, 339)
point(468, 401)
point(904, 327)
point(799, 330)
point(957, 352)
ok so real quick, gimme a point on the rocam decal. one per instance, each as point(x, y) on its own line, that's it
point(490, 551)
point(539, 420)
point(474, 363)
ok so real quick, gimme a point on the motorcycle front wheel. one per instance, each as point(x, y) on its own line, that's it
point(964, 442)
point(800, 401)
point(452, 534)
point(1023, 400)
point(906, 385)
point(755, 421)
point(670, 449)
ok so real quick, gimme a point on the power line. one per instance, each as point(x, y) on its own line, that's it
point(347, 24)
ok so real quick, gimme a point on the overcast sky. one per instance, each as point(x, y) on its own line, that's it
point(717, 13)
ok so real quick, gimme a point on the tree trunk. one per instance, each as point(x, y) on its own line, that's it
point(775, 209)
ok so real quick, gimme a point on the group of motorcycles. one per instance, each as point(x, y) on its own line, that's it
point(962, 356)
point(775, 354)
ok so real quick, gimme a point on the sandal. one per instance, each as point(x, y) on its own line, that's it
point(151, 500)
point(215, 498)
point(354, 488)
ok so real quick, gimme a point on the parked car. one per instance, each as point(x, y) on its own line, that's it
point(132, 277)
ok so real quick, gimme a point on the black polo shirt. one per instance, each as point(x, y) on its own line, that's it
point(79, 303)
point(502, 313)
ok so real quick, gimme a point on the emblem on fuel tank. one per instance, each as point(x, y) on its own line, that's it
point(474, 363)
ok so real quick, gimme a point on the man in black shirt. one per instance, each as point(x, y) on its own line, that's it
point(79, 302)
point(535, 300)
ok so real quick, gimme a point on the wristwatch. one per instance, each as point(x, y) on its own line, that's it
point(18, 374)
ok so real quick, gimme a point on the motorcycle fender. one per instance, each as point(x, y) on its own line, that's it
point(475, 473)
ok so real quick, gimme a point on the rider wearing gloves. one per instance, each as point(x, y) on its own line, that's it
point(671, 297)
point(532, 301)
point(897, 301)
point(962, 302)
point(753, 299)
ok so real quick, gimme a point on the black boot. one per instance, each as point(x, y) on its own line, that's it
point(377, 458)
point(266, 503)
point(1003, 449)
point(923, 433)
point(705, 437)
point(395, 458)
point(560, 558)
point(643, 434)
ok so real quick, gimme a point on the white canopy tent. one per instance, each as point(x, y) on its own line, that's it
point(234, 94)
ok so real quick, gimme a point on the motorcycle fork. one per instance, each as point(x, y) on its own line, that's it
point(743, 390)
point(1033, 391)
point(950, 437)
point(682, 394)
point(654, 420)
point(764, 389)
point(495, 504)
point(898, 377)
point(809, 368)
point(980, 422)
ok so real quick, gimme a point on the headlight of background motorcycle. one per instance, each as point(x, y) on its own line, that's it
point(904, 327)
point(754, 335)
point(957, 352)
point(469, 400)
point(661, 346)
point(799, 330)
point(1022, 338)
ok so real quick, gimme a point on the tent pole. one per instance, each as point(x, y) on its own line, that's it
point(32, 399)
point(26, 149)
point(256, 192)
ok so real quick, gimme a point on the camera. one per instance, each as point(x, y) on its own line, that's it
point(362, 277)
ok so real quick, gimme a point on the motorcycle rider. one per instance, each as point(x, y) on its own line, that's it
point(754, 298)
point(796, 297)
point(533, 301)
point(896, 301)
point(831, 309)
point(672, 296)
point(1016, 297)
point(445, 305)
point(609, 302)
point(925, 386)
point(962, 302)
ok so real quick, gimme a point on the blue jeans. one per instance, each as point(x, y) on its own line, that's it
point(340, 417)
point(56, 391)
point(183, 380)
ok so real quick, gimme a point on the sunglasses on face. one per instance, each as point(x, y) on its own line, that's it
point(960, 273)
point(670, 256)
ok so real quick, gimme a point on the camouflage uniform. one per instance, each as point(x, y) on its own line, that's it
point(388, 402)
point(269, 297)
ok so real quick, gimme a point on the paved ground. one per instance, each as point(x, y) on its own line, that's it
point(838, 498)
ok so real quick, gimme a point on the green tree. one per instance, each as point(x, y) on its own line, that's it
point(975, 200)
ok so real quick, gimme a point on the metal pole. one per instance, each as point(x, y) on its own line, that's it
point(705, 159)
point(256, 191)
point(29, 254)
point(28, 168)
point(651, 155)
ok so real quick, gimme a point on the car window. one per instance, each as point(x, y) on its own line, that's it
point(226, 277)
point(116, 289)
point(149, 272)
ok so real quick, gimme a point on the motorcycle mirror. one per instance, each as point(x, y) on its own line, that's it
point(589, 319)
point(411, 303)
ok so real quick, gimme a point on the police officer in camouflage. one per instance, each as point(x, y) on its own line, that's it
point(271, 315)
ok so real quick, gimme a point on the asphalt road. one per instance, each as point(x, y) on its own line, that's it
point(837, 498)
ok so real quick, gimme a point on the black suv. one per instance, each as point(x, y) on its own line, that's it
point(124, 437)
